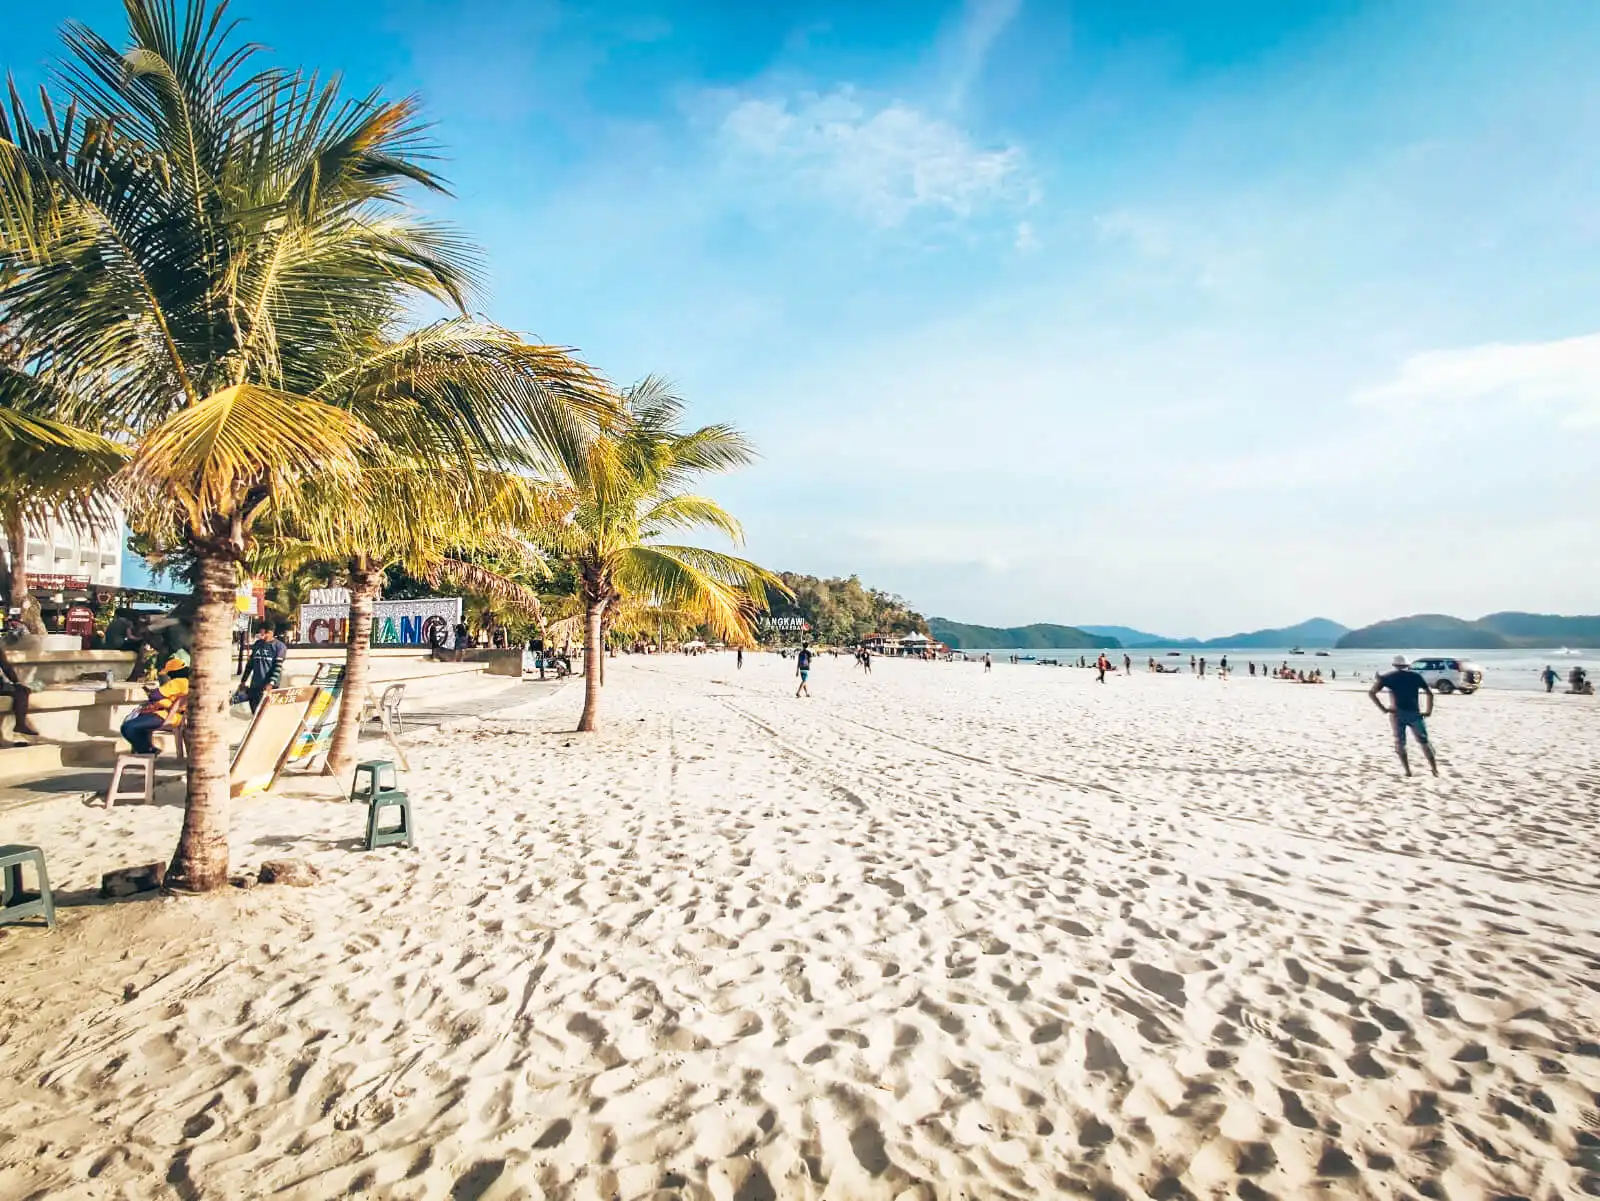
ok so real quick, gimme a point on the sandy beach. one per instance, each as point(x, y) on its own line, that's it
point(931, 934)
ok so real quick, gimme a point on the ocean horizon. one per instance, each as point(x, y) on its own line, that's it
point(1517, 669)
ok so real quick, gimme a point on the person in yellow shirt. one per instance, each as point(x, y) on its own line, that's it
point(157, 712)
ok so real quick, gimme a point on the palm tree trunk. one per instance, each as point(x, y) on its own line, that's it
point(18, 597)
point(365, 584)
point(201, 861)
point(592, 666)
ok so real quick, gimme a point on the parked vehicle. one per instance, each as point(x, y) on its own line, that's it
point(1449, 675)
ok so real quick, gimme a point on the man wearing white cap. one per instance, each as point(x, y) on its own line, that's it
point(1406, 713)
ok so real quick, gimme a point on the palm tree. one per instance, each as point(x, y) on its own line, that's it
point(227, 249)
point(427, 518)
point(47, 469)
point(620, 493)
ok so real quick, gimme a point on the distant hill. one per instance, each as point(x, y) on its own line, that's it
point(1125, 635)
point(1497, 631)
point(1042, 636)
point(1424, 631)
point(1318, 632)
point(1544, 629)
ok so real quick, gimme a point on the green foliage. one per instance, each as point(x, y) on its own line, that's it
point(842, 611)
point(1497, 631)
point(1040, 636)
point(615, 496)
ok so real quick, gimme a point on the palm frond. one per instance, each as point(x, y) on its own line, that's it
point(689, 512)
point(720, 591)
point(243, 445)
point(502, 592)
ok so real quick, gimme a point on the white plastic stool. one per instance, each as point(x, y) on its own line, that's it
point(145, 793)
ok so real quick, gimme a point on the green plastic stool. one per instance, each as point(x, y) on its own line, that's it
point(380, 796)
point(374, 769)
point(379, 836)
point(15, 904)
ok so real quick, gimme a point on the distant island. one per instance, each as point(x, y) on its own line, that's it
point(842, 611)
point(1497, 631)
point(1318, 632)
point(1041, 636)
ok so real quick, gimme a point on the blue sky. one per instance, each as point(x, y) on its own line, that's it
point(1189, 316)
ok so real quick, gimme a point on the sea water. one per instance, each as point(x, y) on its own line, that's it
point(1518, 670)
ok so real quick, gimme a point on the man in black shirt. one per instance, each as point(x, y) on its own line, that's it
point(264, 668)
point(802, 668)
point(1406, 687)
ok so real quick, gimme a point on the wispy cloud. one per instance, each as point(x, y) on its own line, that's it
point(968, 45)
point(884, 160)
point(1563, 375)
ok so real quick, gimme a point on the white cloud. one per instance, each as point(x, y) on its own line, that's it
point(1027, 239)
point(982, 21)
point(1563, 374)
point(886, 161)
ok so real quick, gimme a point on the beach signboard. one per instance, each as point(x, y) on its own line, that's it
point(266, 743)
point(394, 622)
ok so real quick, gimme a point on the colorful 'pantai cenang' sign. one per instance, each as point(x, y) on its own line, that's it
point(394, 622)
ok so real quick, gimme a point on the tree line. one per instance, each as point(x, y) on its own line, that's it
point(842, 611)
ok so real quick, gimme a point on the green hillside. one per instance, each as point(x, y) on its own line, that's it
point(1424, 631)
point(1497, 631)
point(1041, 636)
point(1544, 629)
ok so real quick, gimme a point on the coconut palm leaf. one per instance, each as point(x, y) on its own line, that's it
point(502, 591)
point(690, 512)
point(716, 590)
point(240, 447)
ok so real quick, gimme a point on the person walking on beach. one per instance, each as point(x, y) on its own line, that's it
point(1101, 665)
point(866, 660)
point(1191, 662)
point(738, 658)
point(1406, 687)
point(802, 668)
point(1127, 666)
point(1549, 677)
point(1202, 667)
point(988, 662)
point(264, 668)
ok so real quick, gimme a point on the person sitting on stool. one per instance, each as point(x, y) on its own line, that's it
point(151, 716)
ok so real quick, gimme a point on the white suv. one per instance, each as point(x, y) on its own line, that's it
point(1449, 675)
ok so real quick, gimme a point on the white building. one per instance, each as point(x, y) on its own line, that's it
point(56, 548)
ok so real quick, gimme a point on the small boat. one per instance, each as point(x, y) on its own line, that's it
point(1566, 651)
point(1323, 655)
point(1296, 651)
point(1174, 654)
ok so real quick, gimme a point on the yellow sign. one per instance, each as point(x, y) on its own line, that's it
point(266, 743)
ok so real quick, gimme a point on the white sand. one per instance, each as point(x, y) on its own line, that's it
point(932, 934)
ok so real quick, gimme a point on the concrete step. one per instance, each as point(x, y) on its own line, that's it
point(24, 762)
point(64, 714)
